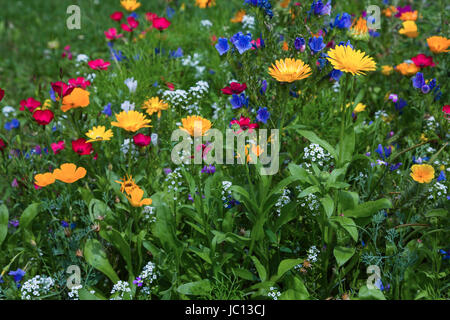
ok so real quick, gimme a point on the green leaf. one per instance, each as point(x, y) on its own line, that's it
point(432, 213)
point(328, 205)
point(197, 288)
point(260, 268)
point(348, 200)
point(369, 208)
point(120, 244)
point(309, 190)
point(4, 216)
point(287, 265)
point(343, 254)
point(299, 292)
point(299, 172)
point(84, 294)
point(347, 146)
point(311, 136)
point(96, 257)
point(348, 224)
point(28, 215)
point(245, 274)
point(204, 254)
point(370, 294)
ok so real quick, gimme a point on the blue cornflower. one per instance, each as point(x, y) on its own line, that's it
point(263, 87)
point(170, 12)
point(209, 169)
point(239, 101)
point(18, 275)
point(263, 115)
point(222, 46)
point(441, 176)
point(342, 43)
point(52, 94)
point(319, 8)
point(176, 54)
point(400, 104)
point(300, 44)
point(13, 124)
point(342, 22)
point(242, 42)
point(107, 110)
point(316, 44)
point(384, 153)
point(335, 74)
point(64, 224)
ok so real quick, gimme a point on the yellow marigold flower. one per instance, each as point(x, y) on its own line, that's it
point(388, 12)
point(136, 200)
point(359, 29)
point(359, 108)
point(438, 44)
point(407, 69)
point(205, 3)
point(130, 5)
point(194, 124)
point(131, 121)
point(44, 179)
point(99, 134)
point(386, 70)
point(79, 98)
point(47, 104)
point(289, 70)
point(127, 184)
point(409, 16)
point(238, 17)
point(409, 29)
point(422, 173)
point(285, 3)
point(346, 59)
point(153, 105)
point(69, 173)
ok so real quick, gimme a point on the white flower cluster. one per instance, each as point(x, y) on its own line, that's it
point(73, 293)
point(149, 213)
point(226, 192)
point(316, 154)
point(274, 293)
point(283, 200)
point(173, 180)
point(206, 23)
point(131, 84)
point(121, 287)
point(431, 124)
point(127, 106)
point(437, 190)
point(310, 202)
point(193, 61)
point(381, 113)
point(126, 147)
point(248, 22)
point(186, 100)
point(312, 254)
point(149, 272)
point(37, 286)
point(199, 90)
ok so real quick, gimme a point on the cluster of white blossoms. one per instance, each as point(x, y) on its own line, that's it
point(283, 200)
point(173, 180)
point(206, 23)
point(73, 293)
point(317, 155)
point(121, 287)
point(131, 84)
point(147, 277)
point(187, 100)
point(437, 190)
point(248, 22)
point(149, 213)
point(381, 113)
point(310, 202)
point(194, 62)
point(125, 147)
point(36, 287)
point(312, 254)
point(226, 192)
point(127, 106)
point(431, 124)
point(274, 293)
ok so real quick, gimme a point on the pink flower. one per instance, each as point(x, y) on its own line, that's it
point(112, 34)
point(161, 23)
point(446, 110)
point(117, 16)
point(171, 86)
point(57, 147)
point(132, 24)
point(61, 88)
point(99, 64)
point(79, 82)
point(67, 53)
point(151, 16)
point(30, 104)
point(141, 140)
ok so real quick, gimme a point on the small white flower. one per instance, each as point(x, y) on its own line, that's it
point(131, 84)
point(127, 106)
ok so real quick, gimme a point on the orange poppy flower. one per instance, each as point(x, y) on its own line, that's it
point(69, 173)
point(136, 200)
point(44, 179)
point(78, 98)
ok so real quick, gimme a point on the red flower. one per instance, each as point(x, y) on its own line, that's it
point(30, 103)
point(234, 88)
point(99, 64)
point(117, 16)
point(132, 24)
point(2, 94)
point(446, 110)
point(171, 86)
point(79, 82)
point(61, 88)
point(151, 16)
point(2, 145)
point(43, 117)
point(423, 61)
point(141, 140)
point(57, 147)
point(67, 53)
point(112, 34)
point(82, 147)
point(213, 40)
point(161, 23)
point(244, 124)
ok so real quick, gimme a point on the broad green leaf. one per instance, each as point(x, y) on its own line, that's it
point(84, 294)
point(204, 254)
point(197, 288)
point(309, 190)
point(434, 213)
point(328, 205)
point(4, 216)
point(28, 215)
point(370, 294)
point(287, 265)
point(343, 254)
point(119, 242)
point(260, 268)
point(369, 208)
point(348, 199)
point(96, 257)
point(311, 136)
point(299, 172)
point(349, 225)
point(347, 146)
point(245, 274)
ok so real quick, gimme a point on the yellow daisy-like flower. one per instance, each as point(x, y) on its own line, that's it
point(438, 44)
point(346, 59)
point(130, 5)
point(238, 17)
point(409, 29)
point(194, 124)
point(131, 121)
point(153, 105)
point(289, 70)
point(44, 179)
point(422, 173)
point(409, 16)
point(135, 198)
point(205, 3)
point(359, 29)
point(99, 134)
point(127, 184)
point(386, 70)
point(359, 108)
point(407, 69)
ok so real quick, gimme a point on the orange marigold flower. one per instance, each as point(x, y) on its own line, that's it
point(388, 12)
point(69, 173)
point(238, 17)
point(386, 70)
point(44, 179)
point(438, 44)
point(422, 173)
point(136, 200)
point(192, 124)
point(79, 98)
point(407, 69)
point(409, 15)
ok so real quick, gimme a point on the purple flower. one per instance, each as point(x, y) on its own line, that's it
point(316, 44)
point(14, 223)
point(64, 224)
point(441, 176)
point(13, 124)
point(394, 167)
point(167, 171)
point(107, 110)
point(393, 97)
point(384, 153)
point(418, 80)
point(176, 54)
point(14, 183)
point(320, 9)
point(263, 86)
point(209, 169)
point(239, 101)
point(335, 74)
point(222, 46)
point(18, 274)
point(263, 115)
point(343, 22)
point(300, 44)
point(400, 104)
point(138, 281)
